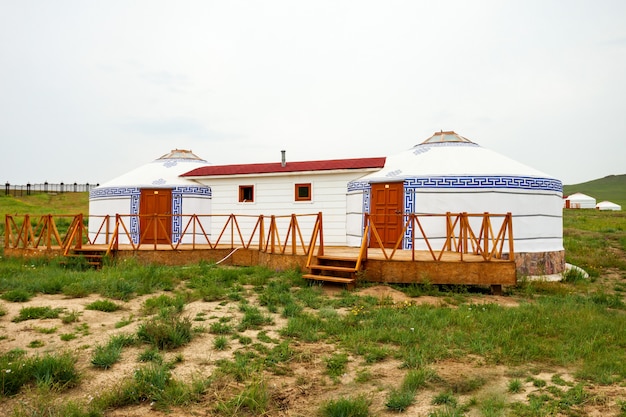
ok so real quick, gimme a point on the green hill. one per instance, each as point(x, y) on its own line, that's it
point(611, 188)
point(42, 203)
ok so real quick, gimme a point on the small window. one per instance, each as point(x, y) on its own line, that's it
point(246, 193)
point(303, 192)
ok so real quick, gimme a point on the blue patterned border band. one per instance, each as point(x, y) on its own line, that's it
point(358, 186)
point(511, 182)
point(130, 191)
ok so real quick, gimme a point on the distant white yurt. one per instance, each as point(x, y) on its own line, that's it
point(607, 205)
point(580, 201)
point(152, 201)
point(449, 173)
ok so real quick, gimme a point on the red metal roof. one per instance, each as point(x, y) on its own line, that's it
point(276, 167)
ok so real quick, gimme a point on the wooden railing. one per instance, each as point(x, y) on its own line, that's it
point(44, 232)
point(20, 233)
point(460, 236)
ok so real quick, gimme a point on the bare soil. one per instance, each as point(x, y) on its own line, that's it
point(298, 393)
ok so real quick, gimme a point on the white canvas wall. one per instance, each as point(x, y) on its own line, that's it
point(274, 195)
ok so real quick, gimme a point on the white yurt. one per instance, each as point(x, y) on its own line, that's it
point(152, 201)
point(608, 205)
point(580, 201)
point(450, 173)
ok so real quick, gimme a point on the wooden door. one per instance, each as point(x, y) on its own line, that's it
point(155, 220)
point(387, 206)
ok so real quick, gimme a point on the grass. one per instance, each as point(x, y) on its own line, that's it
point(107, 306)
point(34, 313)
point(169, 331)
point(611, 188)
point(577, 324)
point(49, 371)
point(346, 407)
point(107, 355)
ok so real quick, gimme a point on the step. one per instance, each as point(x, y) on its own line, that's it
point(349, 281)
point(337, 258)
point(332, 268)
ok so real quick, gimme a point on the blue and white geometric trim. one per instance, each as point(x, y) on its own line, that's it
point(195, 190)
point(107, 192)
point(359, 186)
point(134, 218)
point(485, 181)
point(113, 192)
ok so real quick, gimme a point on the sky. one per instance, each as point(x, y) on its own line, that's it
point(90, 90)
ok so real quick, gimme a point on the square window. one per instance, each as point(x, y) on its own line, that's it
point(303, 192)
point(246, 193)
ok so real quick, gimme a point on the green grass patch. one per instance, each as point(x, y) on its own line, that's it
point(49, 371)
point(107, 306)
point(34, 313)
point(346, 407)
point(17, 295)
point(166, 332)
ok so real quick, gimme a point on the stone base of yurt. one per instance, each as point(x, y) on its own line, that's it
point(539, 263)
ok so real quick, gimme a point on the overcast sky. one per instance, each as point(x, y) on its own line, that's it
point(92, 89)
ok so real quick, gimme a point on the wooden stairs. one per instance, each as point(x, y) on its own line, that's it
point(337, 269)
point(93, 257)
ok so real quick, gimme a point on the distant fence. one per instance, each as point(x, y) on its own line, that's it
point(29, 189)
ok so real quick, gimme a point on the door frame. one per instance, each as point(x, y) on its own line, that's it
point(161, 212)
point(390, 229)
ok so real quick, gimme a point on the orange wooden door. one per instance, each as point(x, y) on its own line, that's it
point(387, 204)
point(155, 221)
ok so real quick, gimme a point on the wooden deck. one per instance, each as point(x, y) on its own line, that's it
point(406, 266)
point(473, 252)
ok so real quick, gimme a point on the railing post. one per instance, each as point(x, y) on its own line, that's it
point(487, 228)
point(509, 217)
point(292, 226)
point(448, 233)
point(79, 245)
point(261, 232)
point(272, 233)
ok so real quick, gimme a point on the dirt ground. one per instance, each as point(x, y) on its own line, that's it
point(300, 393)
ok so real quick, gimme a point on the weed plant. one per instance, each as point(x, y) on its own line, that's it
point(34, 313)
point(106, 355)
point(107, 306)
point(252, 318)
point(336, 365)
point(167, 331)
point(18, 295)
point(176, 304)
point(254, 400)
point(50, 372)
point(150, 355)
point(153, 383)
point(346, 407)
